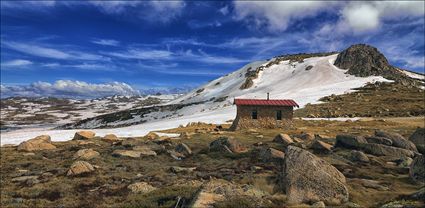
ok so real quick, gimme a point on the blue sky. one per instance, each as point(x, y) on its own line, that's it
point(124, 46)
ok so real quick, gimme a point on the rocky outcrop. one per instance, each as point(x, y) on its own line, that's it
point(321, 147)
point(86, 154)
point(42, 142)
point(417, 169)
point(144, 151)
point(384, 150)
point(350, 141)
point(379, 140)
point(126, 153)
point(283, 139)
point(111, 138)
point(271, 155)
point(418, 138)
point(84, 135)
point(364, 60)
point(226, 144)
point(308, 178)
point(79, 168)
point(358, 156)
point(397, 140)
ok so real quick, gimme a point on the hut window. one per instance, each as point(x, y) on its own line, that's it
point(254, 114)
point(279, 115)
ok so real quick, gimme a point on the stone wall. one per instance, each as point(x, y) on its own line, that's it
point(266, 117)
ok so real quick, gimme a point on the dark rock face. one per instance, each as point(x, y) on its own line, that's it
point(397, 140)
point(350, 141)
point(308, 178)
point(364, 60)
point(417, 169)
point(418, 138)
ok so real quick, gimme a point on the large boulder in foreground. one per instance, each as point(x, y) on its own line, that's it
point(79, 168)
point(417, 169)
point(42, 142)
point(418, 138)
point(398, 140)
point(308, 178)
point(84, 135)
point(225, 144)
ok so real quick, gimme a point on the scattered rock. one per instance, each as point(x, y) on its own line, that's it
point(29, 154)
point(319, 204)
point(320, 146)
point(129, 142)
point(384, 150)
point(283, 139)
point(225, 144)
point(417, 169)
point(111, 138)
point(86, 154)
point(398, 140)
point(42, 142)
point(84, 142)
point(259, 136)
point(185, 135)
point(177, 169)
point(271, 155)
point(84, 135)
point(27, 180)
point(379, 140)
point(358, 156)
point(141, 187)
point(307, 136)
point(176, 155)
point(350, 141)
point(418, 138)
point(79, 168)
point(144, 151)
point(308, 178)
point(126, 153)
point(151, 136)
point(183, 149)
point(371, 184)
point(257, 144)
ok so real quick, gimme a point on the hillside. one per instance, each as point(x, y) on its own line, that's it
point(306, 78)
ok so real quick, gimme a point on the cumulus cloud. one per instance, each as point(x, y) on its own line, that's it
point(16, 63)
point(365, 16)
point(276, 15)
point(68, 88)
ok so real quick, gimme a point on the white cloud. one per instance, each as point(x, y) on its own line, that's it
point(106, 42)
point(16, 63)
point(68, 88)
point(361, 17)
point(277, 15)
point(49, 52)
point(142, 54)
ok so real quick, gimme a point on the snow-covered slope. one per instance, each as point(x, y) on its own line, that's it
point(283, 81)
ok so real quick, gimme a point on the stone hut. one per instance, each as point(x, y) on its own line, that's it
point(263, 113)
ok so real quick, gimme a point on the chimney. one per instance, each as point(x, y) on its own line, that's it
point(268, 96)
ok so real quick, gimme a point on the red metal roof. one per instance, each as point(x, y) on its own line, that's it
point(266, 102)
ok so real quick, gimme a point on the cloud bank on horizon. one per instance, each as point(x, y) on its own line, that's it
point(164, 44)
